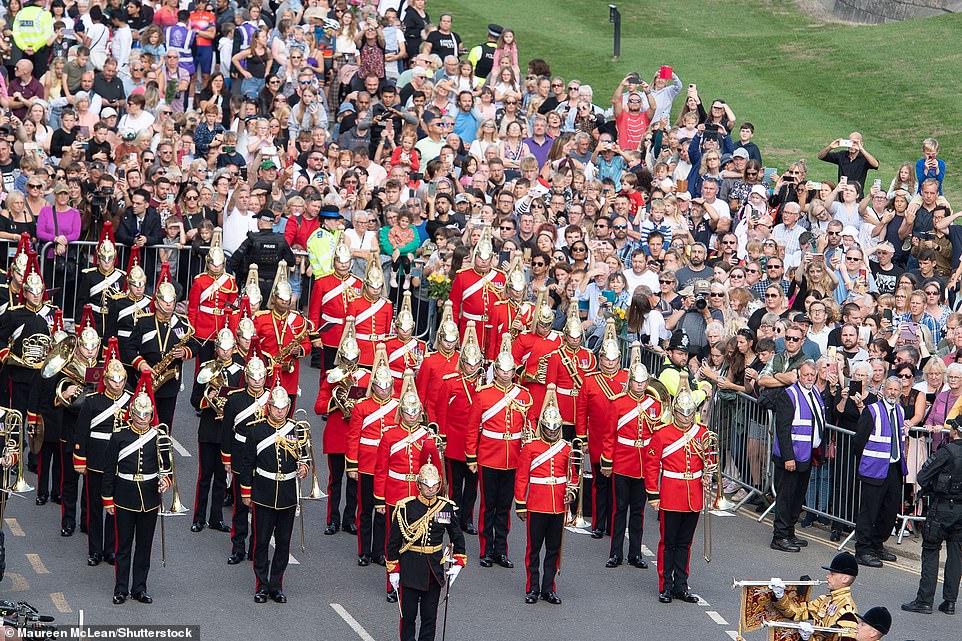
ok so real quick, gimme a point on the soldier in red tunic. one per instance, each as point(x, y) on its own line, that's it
point(212, 294)
point(496, 427)
point(403, 449)
point(458, 392)
point(476, 289)
point(568, 366)
point(632, 418)
point(675, 478)
point(531, 349)
point(341, 388)
point(512, 314)
point(280, 326)
point(370, 418)
point(591, 424)
point(372, 314)
point(329, 301)
point(404, 352)
point(542, 491)
point(442, 361)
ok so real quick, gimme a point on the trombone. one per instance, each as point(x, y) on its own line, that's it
point(764, 584)
point(576, 466)
point(707, 450)
point(12, 427)
point(306, 457)
point(300, 416)
point(177, 507)
point(165, 467)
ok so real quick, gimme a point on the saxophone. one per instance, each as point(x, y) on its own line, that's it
point(163, 371)
point(283, 357)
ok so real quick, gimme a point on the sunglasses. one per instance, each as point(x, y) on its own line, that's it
point(619, 226)
point(510, 102)
point(538, 264)
point(579, 249)
point(774, 267)
point(834, 233)
point(793, 339)
point(717, 295)
point(772, 296)
point(854, 259)
point(557, 84)
point(665, 282)
point(35, 186)
point(507, 227)
point(906, 376)
point(191, 197)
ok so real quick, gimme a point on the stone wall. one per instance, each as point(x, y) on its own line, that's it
point(875, 11)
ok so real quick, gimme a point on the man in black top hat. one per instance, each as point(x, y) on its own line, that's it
point(835, 609)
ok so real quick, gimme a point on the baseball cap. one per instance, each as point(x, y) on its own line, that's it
point(261, 185)
point(885, 247)
point(269, 163)
point(740, 153)
point(265, 214)
point(702, 286)
point(346, 107)
point(683, 195)
point(725, 159)
point(687, 291)
point(461, 198)
point(108, 112)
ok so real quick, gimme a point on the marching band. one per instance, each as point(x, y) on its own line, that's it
point(419, 444)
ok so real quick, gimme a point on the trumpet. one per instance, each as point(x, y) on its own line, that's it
point(574, 492)
point(707, 450)
point(762, 584)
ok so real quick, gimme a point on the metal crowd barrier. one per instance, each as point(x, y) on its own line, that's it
point(745, 432)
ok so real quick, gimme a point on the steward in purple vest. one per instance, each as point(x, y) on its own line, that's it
point(799, 429)
point(879, 443)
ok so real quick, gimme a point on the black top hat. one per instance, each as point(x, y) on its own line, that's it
point(879, 618)
point(843, 563)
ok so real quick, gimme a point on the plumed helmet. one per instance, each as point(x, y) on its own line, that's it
point(380, 372)
point(428, 475)
point(404, 322)
point(136, 276)
point(550, 421)
point(252, 288)
point(255, 369)
point(410, 404)
point(505, 360)
point(246, 329)
point(342, 252)
point(281, 289)
point(471, 355)
point(141, 406)
point(484, 250)
point(373, 276)
point(610, 349)
point(348, 350)
point(543, 314)
point(684, 404)
point(573, 328)
point(33, 284)
point(637, 371)
point(166, 292)
point(448, 329)
point(516, 279)
point(278, 396)
point(225, 339)
point(106, 248)
point(215, 255)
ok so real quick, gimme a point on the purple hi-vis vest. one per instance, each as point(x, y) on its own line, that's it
point(877, 455)
point(802, 423)
point(180, 38)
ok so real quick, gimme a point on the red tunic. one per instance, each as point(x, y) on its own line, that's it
point(503, 314)
point(673, 472)
point(275, 331)
point(473, 296)
point(455, 400)
point(495, 424)
point(335, 430)
point(328, 308)
point(542, 476)
point(591, 410)
point(400, 456)
point(369, 420)
point(372, 322)
point(628, 434)
point(434, 368)
point(403, 356)
point(528, 350)
point(568, 370)
point(208, 303)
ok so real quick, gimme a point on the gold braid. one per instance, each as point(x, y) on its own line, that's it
point(419, 532)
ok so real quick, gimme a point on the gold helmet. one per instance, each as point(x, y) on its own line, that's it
point(252, 288)
point(21, 260)
point(684, 405)
point(543, 314)
point(484, 250)
point(215, 256)
point(278, 395)
point(380, 372)
point(550, 421)
point(281, 289)
point(405, 319)
point(573, 328)
point(348, 350)
point(471, 355)
point(255, 369)
point(505, 360)
point(165, 290)
point(142, 404)
point(87, 335)
point(136, 276)
point(410, 405)
point(429, 476)
point(225, 340)
point(637, 371)
point(373, 276)
point(448, 329)
point(609, 344)
point(33, 284)
point(517, 280)
point(342, 252)
point(106, 248)
point(246, 329)
point(114, 369)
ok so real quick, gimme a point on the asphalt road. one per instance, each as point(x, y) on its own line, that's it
point(331, 598)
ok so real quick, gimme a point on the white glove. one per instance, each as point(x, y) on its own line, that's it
point(805, 630)
point(453, 573)
point(395, 579)
point(777, 586)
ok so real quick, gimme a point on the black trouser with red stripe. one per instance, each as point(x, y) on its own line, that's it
point(69, 482)
point(335, 469)
point(133, 528)
point(388, 524)
point(423, 601)
point(238, 533)
point(543, 530)
point(49, 470)
point(211, 483)
point(462, 489)
point(370, 524)
point(497, 494)
point(674, 550)
point(100, 535)
point(269, 522)
point(629, 495)
point(601, 499)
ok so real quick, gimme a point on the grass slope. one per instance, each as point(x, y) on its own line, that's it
point(802, 82)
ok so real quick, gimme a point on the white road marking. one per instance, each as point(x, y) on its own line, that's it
point(702, 602)
point(352, 622)
point(14, 527)
point(16, 582)
point(60, 602)
point(180, 448)
point(717, 618)
point(646, 551)
point(37, 564)
point(733, 634)
point(290, 556)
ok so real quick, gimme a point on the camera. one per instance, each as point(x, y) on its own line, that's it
point(700, 303)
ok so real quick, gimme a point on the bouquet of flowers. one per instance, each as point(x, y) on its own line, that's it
point(620, 315)
point(439, 286)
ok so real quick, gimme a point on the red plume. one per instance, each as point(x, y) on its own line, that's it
point(255, 349)
point(107, 233)
point(24, 245)
point(132, 261)
point(245, 307)
point(33, 266)
point(57, 322)
point(162, 277)
point(86, 319)
point(112, 352)
point(145, 385)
